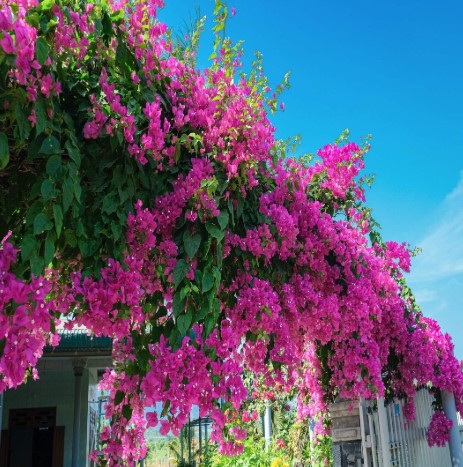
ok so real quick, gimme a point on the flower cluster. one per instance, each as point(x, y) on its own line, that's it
point(438, 433)
point(26, 329)
point(162, 214)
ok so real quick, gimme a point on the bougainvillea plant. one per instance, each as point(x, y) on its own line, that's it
point(150, 202)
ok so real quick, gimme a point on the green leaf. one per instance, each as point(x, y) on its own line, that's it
point(33, 19)
point(69, 122)
point(58, 218)
point(37, 265)
point(70, 236)
point(165, 409)
point(184, 322)
point(68, 194)
point(53, 165)
point(217, 275)
point(77, 190)
point(231, 211)
point(50, 146)
point(206, 246)
point(222, 218)
point(124, 57)
point(107, 28)
point(185, 291)
point(127, 412)
point(47, 189)
point(198, 276)
point(208, 280)
point(216, 308)
point(41, 50)
point(239, 209)
point(204, 310)
point(4, 151)
point(73, 151)
point(178, 305)
point(219, 254)
point(177, 151)
point(24, 125)
point(40, 117)
point(180, 271)
point(117, 16)
point(209, 324)
point(212, 318)
point(191, 243)
point(42, 223)
point(215, 231)
point(29, 246)
point(109, 204)
point(46, 5)
point(49, 248)
point(116, 230)
point(119, 397)
point(36, 207)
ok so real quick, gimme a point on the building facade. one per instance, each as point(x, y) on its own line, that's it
point(53, 422)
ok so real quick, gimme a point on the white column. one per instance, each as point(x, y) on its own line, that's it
point(384, 431)
point(450, 410)
point(363, 432)
point(268, 426)
point(78, 371)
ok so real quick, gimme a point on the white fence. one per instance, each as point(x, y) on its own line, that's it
point(460, 425)
point(405, 441)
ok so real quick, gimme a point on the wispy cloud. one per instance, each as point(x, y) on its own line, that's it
point(425, 295)
point(443, 245)
point(437, 274)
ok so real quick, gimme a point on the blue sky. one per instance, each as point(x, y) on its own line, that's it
point(395, 70)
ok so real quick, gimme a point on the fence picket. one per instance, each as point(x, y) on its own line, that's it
point(407, 443)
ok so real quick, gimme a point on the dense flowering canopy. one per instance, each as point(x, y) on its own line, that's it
point(149, 202)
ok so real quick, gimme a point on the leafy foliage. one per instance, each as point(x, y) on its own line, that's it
point(149, 201)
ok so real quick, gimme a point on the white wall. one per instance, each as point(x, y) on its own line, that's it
point(55, 388)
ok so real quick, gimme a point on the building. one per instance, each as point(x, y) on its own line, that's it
point(52, 422)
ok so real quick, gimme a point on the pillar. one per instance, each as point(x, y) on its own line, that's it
point(78, 366)
point(181, 444)
point(450, 410)
point(268, 426)
point(189, 440)
point(346, 433)
point(384, 432)
point(200, 437)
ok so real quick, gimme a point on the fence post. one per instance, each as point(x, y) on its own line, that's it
point(200, 438)
point(181, 444)
point(384, 433)
point(363, 432)
point(450, 410)
point(268, 425)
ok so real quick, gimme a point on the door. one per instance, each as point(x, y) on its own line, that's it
point(33, 438)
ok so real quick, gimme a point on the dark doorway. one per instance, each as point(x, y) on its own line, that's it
point(33, 439)
point(42, 447)
point(31, 447)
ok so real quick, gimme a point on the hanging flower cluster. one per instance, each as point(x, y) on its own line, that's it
point(156, 207)
point(438, 433)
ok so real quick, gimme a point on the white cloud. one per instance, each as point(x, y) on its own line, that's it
point(442, 254)
point(437, 274)
point(425, 295)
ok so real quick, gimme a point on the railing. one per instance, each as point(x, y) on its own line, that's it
point(406, 440)
point(94, 424)
point(460, 425)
